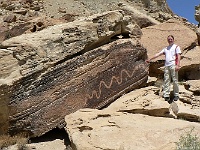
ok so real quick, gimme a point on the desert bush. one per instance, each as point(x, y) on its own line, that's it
point(188, 141)
point(21, 144)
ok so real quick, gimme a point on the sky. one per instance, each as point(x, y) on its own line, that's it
point(184, 8)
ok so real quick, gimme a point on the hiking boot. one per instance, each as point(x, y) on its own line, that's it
point(166, 98)
point(176, 98)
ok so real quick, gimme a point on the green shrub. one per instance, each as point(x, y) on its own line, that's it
point(188, 142)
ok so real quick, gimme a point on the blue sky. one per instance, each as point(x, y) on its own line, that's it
point(184, 8)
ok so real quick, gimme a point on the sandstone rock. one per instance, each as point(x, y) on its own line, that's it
point(4, 29)
point(59, 68)
point(9, 65)
point(142, 101)
point(66, 40)
point(18, 30)
point(196, 102)
point(10, 18)
point(190, 64)
point(26, 1)
point(40, 23)
point(188, 113)
point(197, 14)
point(198, 35)
point(148, 101)
point(140, 18)
point(193, 85)
point(34, 25)
point(96, 129)
point(61, 10)
point(151, 81)
point(77, 9)
point(21, 11)
point(68, 17)
point(18, 13)
point(38, 102)
point(87, 8)
point(185, 95)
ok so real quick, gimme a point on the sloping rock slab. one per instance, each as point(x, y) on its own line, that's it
point(142, 101)
point(102, 130)
point(38, 104)
point(187, 112)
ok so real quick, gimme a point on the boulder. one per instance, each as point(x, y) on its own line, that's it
point(193, 85)
point(4, 29)
point(9, 18)
point(185, 111)
point(198, 35)
point(38, 102)
point(197, 14)
point(66, 67)
point(190, 64)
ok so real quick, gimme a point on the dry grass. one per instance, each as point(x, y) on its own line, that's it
point(6, 140)
point(188, 141)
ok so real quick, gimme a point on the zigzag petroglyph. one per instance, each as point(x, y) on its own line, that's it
point(119, 80)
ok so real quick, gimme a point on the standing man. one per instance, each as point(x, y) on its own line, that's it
point(172, 65)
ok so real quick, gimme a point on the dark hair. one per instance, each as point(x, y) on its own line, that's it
point(171, 36)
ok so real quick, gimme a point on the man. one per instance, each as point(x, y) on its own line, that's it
point(172, 65)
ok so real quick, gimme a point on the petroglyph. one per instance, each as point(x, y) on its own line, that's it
point(117, 79)
point(93, 79)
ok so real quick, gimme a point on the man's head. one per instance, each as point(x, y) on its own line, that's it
point(170, 39)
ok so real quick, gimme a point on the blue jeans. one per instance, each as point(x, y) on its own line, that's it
point(170, 74)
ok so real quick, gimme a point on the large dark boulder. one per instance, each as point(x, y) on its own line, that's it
point(56, 71)
point(93, 79)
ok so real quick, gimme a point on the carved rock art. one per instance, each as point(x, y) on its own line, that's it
point(93, 79)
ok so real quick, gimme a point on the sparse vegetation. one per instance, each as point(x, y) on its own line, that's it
point(188, 141)
point(21, 144)
point(7, 140)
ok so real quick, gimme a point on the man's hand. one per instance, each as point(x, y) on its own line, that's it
point(147, 61)
point(177, 68)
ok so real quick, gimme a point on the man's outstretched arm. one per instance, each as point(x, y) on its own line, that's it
point(154, 57)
